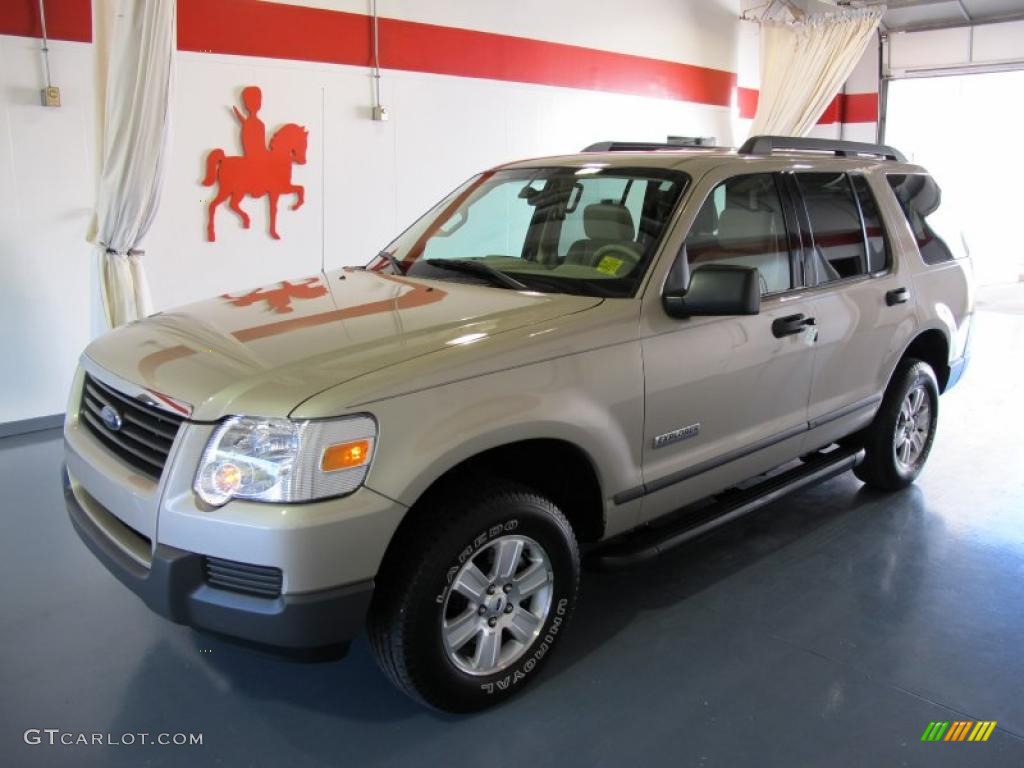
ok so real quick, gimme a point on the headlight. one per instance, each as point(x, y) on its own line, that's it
point(283, 460)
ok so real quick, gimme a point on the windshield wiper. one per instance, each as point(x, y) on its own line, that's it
point(473, 266)
point(395, 263)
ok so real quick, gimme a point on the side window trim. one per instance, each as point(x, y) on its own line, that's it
point(886, 239)
point(866, 258)
point(806, 235)
point(794, 230)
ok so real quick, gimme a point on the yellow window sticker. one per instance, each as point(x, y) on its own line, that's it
point(609, 265)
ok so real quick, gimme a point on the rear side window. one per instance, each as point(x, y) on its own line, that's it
point(835, 221)
point(741, 223)
point(874, 231)
point(919, 198)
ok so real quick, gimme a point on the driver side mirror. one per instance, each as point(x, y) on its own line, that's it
point(715, 289)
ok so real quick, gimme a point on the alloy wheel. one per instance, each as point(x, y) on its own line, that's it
point(497, 605)
point(913, 425)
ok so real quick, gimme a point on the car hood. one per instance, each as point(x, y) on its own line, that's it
point(263, 352)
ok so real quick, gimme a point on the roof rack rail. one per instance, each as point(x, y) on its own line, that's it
point(643, 146)
point(765, 145)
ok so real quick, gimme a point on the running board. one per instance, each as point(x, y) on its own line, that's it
point(649, 542)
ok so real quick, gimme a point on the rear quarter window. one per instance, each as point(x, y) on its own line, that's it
point(938, 238)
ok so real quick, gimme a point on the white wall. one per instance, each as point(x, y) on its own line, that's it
point(47, 177)
point(365, 180)
point(701, 32)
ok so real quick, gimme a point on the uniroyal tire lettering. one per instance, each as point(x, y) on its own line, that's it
point(538, 654)
point(493, 532)
point(447, 585)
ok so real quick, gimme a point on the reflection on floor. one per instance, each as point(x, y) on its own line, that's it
point(827, 629)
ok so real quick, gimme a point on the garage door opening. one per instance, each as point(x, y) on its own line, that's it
point(965, 130)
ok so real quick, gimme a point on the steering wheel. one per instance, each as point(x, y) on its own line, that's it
point(626, 254)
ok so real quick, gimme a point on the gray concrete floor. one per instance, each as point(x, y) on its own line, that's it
point(826, 629)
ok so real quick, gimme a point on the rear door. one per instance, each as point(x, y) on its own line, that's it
point(726, 397)
point(862, 300)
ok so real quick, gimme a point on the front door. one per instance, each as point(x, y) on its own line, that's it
point(727, 397)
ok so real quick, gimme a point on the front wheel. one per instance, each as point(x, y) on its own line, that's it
point(474, 596)
point(897, 444)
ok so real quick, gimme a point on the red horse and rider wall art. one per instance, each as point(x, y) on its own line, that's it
point(261, 170)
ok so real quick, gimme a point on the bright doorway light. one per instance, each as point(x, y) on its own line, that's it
point(966, 130)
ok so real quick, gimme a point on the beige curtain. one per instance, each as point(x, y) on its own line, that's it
point(804, 64)
point(135, 79)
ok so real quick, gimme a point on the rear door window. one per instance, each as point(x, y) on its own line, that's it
point(920, 198)
point(836, 228)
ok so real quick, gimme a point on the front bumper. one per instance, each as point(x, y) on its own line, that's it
point(174, 586)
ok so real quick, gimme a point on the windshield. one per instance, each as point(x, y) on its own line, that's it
point(590, 231)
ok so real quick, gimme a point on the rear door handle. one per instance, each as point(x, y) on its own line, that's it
point(791, 325)
point(897, 296)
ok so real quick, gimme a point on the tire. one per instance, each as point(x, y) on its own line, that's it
point(434, 642)
point(897, 444)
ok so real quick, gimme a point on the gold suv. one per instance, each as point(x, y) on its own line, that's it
point(559, 353)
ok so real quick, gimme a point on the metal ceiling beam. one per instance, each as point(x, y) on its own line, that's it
point(975, 22)
point(902, 4)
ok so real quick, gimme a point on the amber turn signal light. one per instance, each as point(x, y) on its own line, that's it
point(345, 455)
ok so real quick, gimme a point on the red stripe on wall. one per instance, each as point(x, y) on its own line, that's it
point(845, 107)
point(833, 112)
point(65, 19)
point(851, 108)
point(861, 108)
point(468, 53)
point(275, 30)
point(747, 98)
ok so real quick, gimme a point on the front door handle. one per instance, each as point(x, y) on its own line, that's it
point(897, 296)
point(791, 325)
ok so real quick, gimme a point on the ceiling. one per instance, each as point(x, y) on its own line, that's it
point(905, 15)
point(926, 14)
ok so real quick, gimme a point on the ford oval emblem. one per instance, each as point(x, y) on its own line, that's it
point(111, 418)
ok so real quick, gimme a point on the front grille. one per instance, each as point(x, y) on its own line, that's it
point(259, 580)
point(146, 433)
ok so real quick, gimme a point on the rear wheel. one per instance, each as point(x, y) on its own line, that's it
point(897, 444)
point(473, 597)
